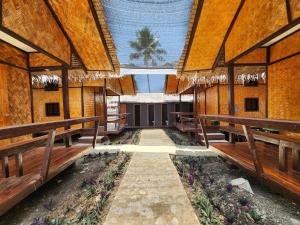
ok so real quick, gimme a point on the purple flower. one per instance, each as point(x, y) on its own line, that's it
point(37, 221)
point(103, 194)
point(229, 188)
point(191, 179)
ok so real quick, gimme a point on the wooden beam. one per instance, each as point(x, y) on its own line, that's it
point(252, 148)
point(82, 102)
point(66, 104)
point(231, 110)
point(105, 106)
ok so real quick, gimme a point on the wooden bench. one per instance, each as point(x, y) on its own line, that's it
point(42, 163)
point(284, 142)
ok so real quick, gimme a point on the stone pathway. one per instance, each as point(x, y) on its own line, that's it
point(155, 137)
point(151, 193)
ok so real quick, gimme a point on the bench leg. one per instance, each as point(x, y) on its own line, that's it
point(5, 167)
point(296, 158)
point(283, 158)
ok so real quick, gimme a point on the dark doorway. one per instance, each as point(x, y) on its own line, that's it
point(151, 121)
point(164, 114)
point(177, 107)
point(137, 115)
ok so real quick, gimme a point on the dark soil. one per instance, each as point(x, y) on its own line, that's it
point(79, 195)
point(180, 138)
point(128, 136)
point(210, 177)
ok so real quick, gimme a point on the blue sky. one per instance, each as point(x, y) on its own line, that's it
point(168, 20)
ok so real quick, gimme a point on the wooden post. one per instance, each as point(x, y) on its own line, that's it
point(66, 105)
point(105, 107)
point(231, 110)
point(252, 148)
point(180, 108)
point(283, 156)
point(19, 164)
point(203, 130)
point(97, 123)
point(82, 102)
point(5, 167)
point(47, 156)
point(196, 112)
point(296, 157)
point(219, 108)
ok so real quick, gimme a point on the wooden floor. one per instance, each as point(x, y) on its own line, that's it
point(287, 183)
point(14, 189)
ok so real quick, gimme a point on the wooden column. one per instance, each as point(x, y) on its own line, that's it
point(180, 103)
point(231, 110)
point(267, 81)
point(105, 106)
point(219, 108)
point(195, 101)
point(82, 103)
point(66, 105)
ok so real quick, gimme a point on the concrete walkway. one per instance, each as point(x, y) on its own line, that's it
point(155, 137)
point(151, 193)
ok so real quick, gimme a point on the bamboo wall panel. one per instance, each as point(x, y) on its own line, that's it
point(89, 104)
point(40, 98)
point(78, 21)
point(33, 21)
point(212, 100)
point(40, 60)
point(241, 92)
point(256, 21)
point(75, 104)
point(127, 85)
point(283, 90)
point(183, 85)
point(12, 55)
point(171, 85)
point(286, 47)
point(99, 104)
point(259, 55)
point(295, 8)
point(15, 99)
point(114, 85)
point(223, 99)
point(202, 102)
point(94, 83)
point(123, 109)
point(215, 19)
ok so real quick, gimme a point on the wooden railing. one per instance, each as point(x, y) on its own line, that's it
point(120, 119)
point(251, 130)
point(18, 148)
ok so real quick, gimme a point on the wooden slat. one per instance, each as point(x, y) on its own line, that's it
point(288, 125)
point(19, 164)
point(47, 156)
point(14, 131)
point(96, 133)
point(5, 167)
point(252, 148)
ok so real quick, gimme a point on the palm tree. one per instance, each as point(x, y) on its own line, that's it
point(146, 46)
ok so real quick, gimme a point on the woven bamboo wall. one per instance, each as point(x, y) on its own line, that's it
point(286, 47)
point(40, 59)
point(256, 21)
point(75, 104)
point(89, 103)
point(212, 100)
point(12, 55)
point(284, 91)
point(40, 98)
point(33, 21)
point(202, 102)
point(223, 99)
point(295, 8)
point(241, 92)
point(15, 99)
point(259, 55)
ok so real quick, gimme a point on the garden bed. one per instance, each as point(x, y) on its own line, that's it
point(180, 138)
point(128, 136)
point(216, 201)
point(79, 195)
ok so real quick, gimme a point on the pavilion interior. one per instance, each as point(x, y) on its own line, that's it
point(235, 71)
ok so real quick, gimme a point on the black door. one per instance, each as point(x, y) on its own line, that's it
point(151, 115)
point(137, 115)
point(164, 114)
